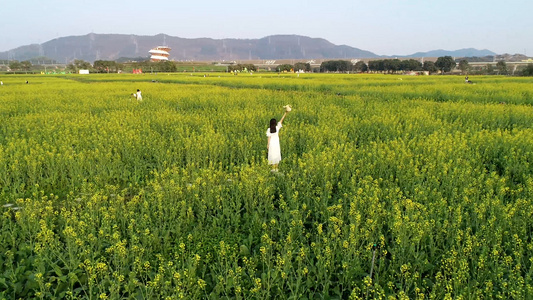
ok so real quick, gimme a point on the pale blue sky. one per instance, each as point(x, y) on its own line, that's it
point(383, 27)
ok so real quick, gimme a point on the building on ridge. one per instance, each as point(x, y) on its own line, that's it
point(160, 53)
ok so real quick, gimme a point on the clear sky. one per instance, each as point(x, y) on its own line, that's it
point(390, 27)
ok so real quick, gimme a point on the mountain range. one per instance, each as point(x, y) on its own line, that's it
point(468, 52)
point(93, 47)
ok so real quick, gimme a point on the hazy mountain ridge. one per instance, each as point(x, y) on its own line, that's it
point(466, 52)
point(93, 47)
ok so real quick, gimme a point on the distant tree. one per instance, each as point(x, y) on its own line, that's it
point(415, 65)
point(392, 65)
point(360, 66)
point(285, 68)
point(411, 65)
point(344, 66)
point(502, 67)
point(336, 66)
point(528, 71)
point(403, 65)
point(15, 65)
point(166, 66)
point(376, 65)
point(445, 63)
point(302, 66)
point(464, 66)
point(490, 69)
point(105, 66)
point(242, 67)
point(81, 64)
point(71, 68)
point(430, 67)
point(387, 65)
point(78, 64)
point(250, 67)
point(327, 66)
point(101, 66)
point(25, 65)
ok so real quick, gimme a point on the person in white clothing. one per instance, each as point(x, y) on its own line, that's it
point(273, 146)
point(138, 95)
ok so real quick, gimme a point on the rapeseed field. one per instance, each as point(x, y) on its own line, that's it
point(390, 187)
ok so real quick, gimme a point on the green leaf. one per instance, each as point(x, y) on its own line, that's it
point(58, 271)
point(244, 250)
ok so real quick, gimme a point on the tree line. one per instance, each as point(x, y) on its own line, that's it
point(501, 68)
point(242, 68)
point(443, 64)
point(299, 66)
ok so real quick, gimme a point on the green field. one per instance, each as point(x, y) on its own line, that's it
point(102, 197)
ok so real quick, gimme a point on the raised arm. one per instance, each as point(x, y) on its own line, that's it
point(282, 118)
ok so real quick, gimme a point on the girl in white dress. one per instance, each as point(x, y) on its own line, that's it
point(274, 150)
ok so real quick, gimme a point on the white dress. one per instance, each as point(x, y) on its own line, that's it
point(274, 150)
point(139, 96)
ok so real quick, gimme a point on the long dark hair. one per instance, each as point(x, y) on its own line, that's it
point(273, 124)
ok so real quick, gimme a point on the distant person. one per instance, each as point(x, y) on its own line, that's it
point(273, 146)
point(466, 79)
point(27, 82)
point(1, 83)
point(138, 95)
